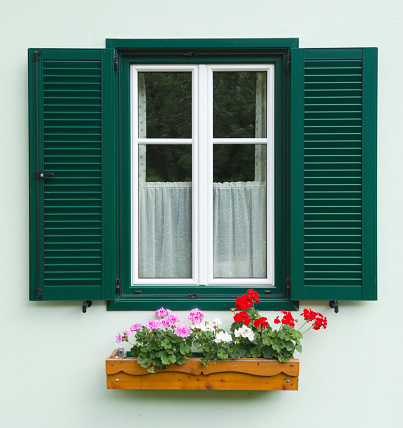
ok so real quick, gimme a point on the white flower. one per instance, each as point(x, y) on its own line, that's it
point(245, 332)
point(216, 322)
point(198, 326)
point(223, 337)
point(208, 326)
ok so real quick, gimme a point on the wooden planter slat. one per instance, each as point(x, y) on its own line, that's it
point(241, 374)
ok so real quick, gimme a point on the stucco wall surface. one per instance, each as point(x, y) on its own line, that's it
point(52, 356)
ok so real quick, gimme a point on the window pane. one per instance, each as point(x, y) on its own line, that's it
point(165, 105)
point(239, 104)
point(165, 211)
point(239, 204)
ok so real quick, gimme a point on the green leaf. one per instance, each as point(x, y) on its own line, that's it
point(255, 352)
point(151, 369)
point(268, 352)
point(299, 348)
point(289, 345)
point(165, 359)
point(283, 358)
point(184, 349)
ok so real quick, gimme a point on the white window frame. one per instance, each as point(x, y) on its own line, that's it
point(202, 190)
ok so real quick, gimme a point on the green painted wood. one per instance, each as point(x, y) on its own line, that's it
point(147, 44)
point(76, 136)
point(369, 142)
point(151, 295)
point(333, 174)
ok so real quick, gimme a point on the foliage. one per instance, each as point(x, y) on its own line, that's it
point(166, 341)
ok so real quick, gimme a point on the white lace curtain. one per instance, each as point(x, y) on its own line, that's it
point(165, 214)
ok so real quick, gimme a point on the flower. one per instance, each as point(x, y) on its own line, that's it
point(223, 337)
point(127, 332)
point(153, 325)
point(277, 320)
point(320, 321)
point(245, 332)
point(243, 302)
point(242, 317)
point(309, 314)
point(182, 330)
point(135, 327)
point(262, 322)
point(196, 315)
point(162, 312)
point(198, 326)
point(216, 322)
point(253, 295)
point(170, 321)
point(118, 338)
point(288, 319)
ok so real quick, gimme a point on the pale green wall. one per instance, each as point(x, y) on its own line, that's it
point(52, 355)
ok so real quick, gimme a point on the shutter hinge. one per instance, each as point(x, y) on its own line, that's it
point(117, 286)
point(36, 56)
point(191, 53)
point(38, 293)
point(137, 291)
point(40, 175)
point(192, 296)
point(288, 286)
point(116, 62)
point(288, 62)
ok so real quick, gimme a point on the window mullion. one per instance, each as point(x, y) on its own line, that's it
point(203, 164)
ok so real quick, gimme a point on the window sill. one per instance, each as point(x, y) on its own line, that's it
point(205, 303)
point(242, 374)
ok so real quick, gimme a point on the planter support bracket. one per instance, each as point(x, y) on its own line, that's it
point(335, 305)
point(86, 304)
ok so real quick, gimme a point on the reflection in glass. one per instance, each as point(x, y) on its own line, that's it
point(239, 104)
point(165, 211)
point(239, 204)
point(165, 104)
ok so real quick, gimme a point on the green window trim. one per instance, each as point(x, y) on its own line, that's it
point(54, 258)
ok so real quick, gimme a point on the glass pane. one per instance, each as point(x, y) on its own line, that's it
point(165, 211)
point(239, 104)
point(239, 219)
point(165, 105)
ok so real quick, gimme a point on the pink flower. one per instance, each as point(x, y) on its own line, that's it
point(153, 325)
point(161, 312)
point(118, 338)
point(135, 327)
point(127, 332)
point(182, 330)
point(170, 321)
point(196, 316)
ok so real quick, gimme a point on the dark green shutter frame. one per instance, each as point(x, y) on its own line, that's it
point(333, 174)
point(72, 133)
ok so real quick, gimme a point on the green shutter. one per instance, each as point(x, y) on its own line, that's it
point(333, 174)
point(72, 136)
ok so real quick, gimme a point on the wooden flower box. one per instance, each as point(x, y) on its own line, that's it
point(231, 374)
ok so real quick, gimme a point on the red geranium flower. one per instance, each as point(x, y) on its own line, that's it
point(262, 322)
point(320, 322)
point(277, 320)
point(288, 319)
point(242, 317)
point(243, 302)
point(309, 314)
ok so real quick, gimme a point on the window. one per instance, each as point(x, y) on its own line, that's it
point(202, 175)
point(187, 171)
